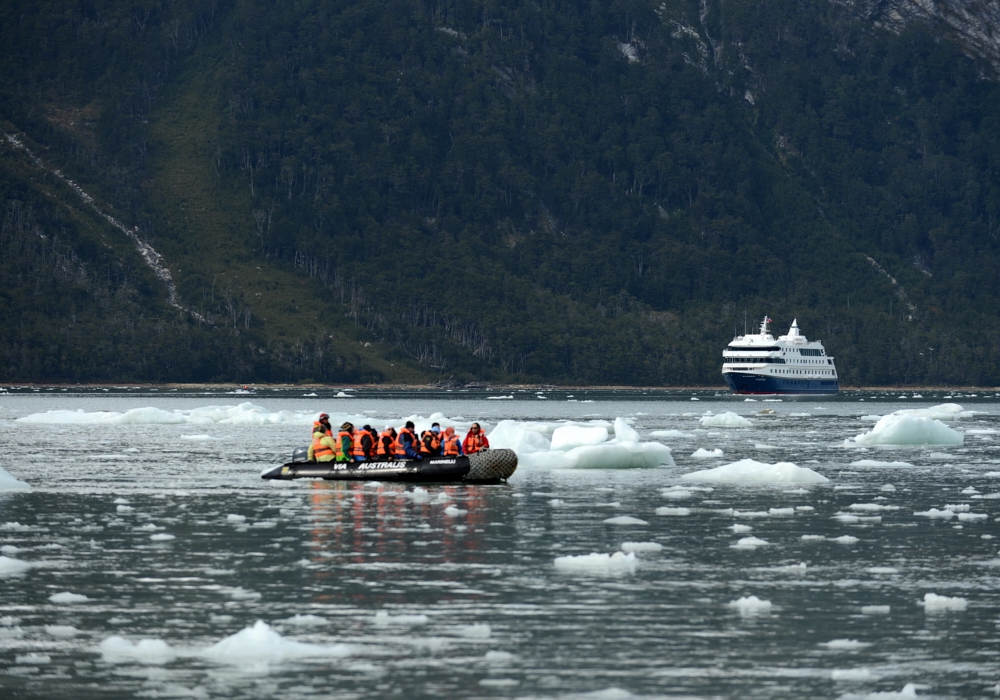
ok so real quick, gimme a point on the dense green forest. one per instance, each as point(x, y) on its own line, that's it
point(520, 191)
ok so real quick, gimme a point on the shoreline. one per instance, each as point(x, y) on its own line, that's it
point(232, 386)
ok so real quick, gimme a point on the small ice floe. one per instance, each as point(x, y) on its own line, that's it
point(753, 472)
point(874, 463)
point(594, 563)
point(933, 602)
point(200, 438)
point(702, 453)
point(888, 488)
point(914, 427)
point(12, 567)
point(804, 509)
point(343, 395)
point(667, 510)
point(750, 543)
point(750, 605)
point(909, 692)
point(677, 493)
point(875, 609)
point(62, 631)
point(9, 483)
point(737, 528)
point(453, 512)
point(871, 507)
point(499, 398)
point(844, 539)
point(384, 619)
point(676, 434)
point(957, 507)
point(851, 674)
point(313, 394)
point(419, 495)
point(67, 597)
point(240, 593)
point(845, 645)
point(935, 513)
point(556, 502)
point(642, 547)
point(781, 511)
point(624, 520)
point(145, 651)
point(234, 518)
point(971, 517)
point(33, 658)
point(478, 630)
point(499, 657)
point(161, 537)
point(762, 446)
point(724, 420)
point(124, 509)
point(813, 538)
point(882, 570)
point(261, 643)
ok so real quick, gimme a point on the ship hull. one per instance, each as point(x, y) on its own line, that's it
point(745, 383)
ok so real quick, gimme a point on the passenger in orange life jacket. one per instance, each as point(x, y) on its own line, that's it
point(345, 442)
point(322, 448)
point(430, 441)
point(407, 445)
point(374, 436)
point(363, 446)
point(386, 442)
point(323, 423)
point(451, 446)
point(475, 441)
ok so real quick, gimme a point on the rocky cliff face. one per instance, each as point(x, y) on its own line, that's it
point(976, 22)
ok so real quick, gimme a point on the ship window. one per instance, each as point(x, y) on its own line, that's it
point(810, 352)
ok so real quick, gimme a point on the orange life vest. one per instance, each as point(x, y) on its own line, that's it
point(381, 451)
point(398, 445)
point(341, 457)
point(319, 449)
point(474, 443)
point(429, 443)
point(451, 446)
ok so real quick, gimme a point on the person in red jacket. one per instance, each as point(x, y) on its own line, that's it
point(475, 440)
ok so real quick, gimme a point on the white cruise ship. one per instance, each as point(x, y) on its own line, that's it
point(759, 364)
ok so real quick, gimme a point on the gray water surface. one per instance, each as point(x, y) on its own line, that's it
point(455, 592)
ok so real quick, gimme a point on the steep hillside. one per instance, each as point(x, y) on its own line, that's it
point(561, 192)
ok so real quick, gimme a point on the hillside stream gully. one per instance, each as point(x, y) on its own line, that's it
point(824, 551)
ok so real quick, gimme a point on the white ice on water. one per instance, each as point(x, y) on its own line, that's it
point(595, 563)
point(642, 547)
point(915, 427)
point(67, 597)
point(754, 472)
point(879, 464)
point(145, 651)
point(261, 643)
point(9, 483)
point(725, 420)
point(749, 605)
point(702, 453)
point(384, 619)
point(667, 510)
point(12, 567)
point(573, 446)
point(933, 602)
point(624, 520)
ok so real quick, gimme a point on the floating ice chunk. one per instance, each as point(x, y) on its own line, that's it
point(557, 502)
point(61, 631)
point(12, 567)
point(935, 513)
point(762, 446)
point(813, 538)
point(594, 563)
point(67, 597)
point(479, 630)
point(343, 395)
point(876, 463)
point(749, 605)
point(384, 619)
point(124, 509)
point(454, 512)
point(200, 438)
point(234, 518)
point(750, 543)
point(240, 593)
point(499, 657)
point(939, 603)
point(752, 471)
point(871, 507)
point(145, 651)
point(971, 517)
point(624, 520)
point(702, 453)
point(567, 437)
point(907, 429)
point(304, 621)
point(844, 539)
point(161, 537)
point(851, 674)
point(677, 493)
point(845, 644)
point(959, 508)
point(875, 609)
point(725, 420)
point(623, 431)
point(261, 643)
point(419, 495)
point(781, 511)
point(909, 692)
point(944, 411)
point(882, 570)
point(9, 483)
point(679, 434)
point(642, 547)
point(667, 510)
point(804, 509)
point(737, 528)
point(33, 658)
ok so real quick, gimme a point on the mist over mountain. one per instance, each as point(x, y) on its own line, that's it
point(563, 192)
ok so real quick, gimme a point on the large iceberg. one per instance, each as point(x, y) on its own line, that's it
point(903, 428)
point(574, 446)
point(750, 471)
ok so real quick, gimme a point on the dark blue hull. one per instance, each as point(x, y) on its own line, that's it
point(741, 383)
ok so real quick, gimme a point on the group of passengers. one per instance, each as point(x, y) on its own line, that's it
point(366, 444)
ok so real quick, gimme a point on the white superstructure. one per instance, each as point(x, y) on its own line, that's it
point(790, 364)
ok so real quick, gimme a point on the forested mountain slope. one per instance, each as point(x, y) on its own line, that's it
point(559, 191)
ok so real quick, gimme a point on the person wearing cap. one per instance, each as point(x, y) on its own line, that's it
point(345, 442)
point(451, 445)
point(475, 441)
point(407, 445)
point(323, 423)
point(363, 447)
point(386, 444)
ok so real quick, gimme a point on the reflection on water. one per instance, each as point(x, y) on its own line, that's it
point(452, 590)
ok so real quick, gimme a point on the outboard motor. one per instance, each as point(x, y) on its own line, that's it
point(300, 454)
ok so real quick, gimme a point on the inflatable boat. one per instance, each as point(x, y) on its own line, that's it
point(486, 467)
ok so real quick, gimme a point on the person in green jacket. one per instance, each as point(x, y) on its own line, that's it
point(345, 441)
